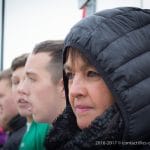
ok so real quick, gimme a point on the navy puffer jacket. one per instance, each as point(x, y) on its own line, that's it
point(117, 43)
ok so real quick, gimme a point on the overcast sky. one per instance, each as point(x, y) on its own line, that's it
point(28, 22)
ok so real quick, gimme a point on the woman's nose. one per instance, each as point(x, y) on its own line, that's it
point(77, 87)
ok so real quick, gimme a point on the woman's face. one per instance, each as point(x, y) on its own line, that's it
point(89, 96)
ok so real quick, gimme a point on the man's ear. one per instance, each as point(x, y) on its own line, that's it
point(61, 88)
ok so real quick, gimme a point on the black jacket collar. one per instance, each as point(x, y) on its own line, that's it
point(67, 135)
point(16, 123)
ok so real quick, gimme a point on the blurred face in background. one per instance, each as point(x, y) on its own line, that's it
point(8, 108)
point(23, 105)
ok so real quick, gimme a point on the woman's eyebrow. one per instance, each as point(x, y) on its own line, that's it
point(86, 66)
point(83, 67)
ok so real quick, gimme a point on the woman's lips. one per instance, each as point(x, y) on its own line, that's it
point(82, 108)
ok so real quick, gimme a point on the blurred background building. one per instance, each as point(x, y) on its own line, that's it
point(23, 23)
point(90, 6)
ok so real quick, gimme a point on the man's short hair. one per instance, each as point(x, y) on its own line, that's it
point(6, 75)
point(54, 49)
point(19, 61)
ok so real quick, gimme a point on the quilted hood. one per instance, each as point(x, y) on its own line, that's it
point(117, 43)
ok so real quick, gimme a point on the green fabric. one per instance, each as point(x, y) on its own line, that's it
point(34, 137)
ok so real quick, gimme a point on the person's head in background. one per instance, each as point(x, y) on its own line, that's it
point(8, 107)
point(43, 81)
point(23, 105)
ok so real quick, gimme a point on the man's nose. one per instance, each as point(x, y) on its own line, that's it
point(22, 88)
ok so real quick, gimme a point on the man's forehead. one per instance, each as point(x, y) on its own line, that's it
point(35, 70)
point(18, 70)
point(4, 81)
point(38, 59)
point(4, 84)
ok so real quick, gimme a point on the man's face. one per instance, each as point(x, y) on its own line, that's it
point(21, 98)
point(8, 108)
point(43, 93)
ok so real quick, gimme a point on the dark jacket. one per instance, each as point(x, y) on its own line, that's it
point(117, 43)
point(3, 137)
point(17, 128)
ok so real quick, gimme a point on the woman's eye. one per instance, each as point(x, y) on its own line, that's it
point(69, 75)
point(93, 74)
